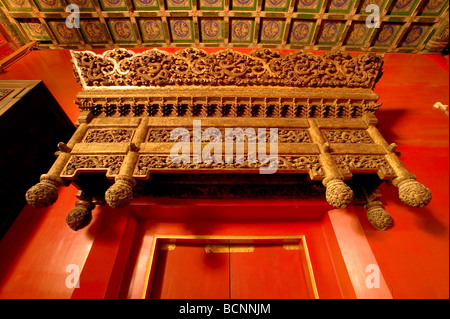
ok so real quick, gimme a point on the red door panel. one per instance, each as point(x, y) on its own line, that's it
point(188, 272)
point(196, 271)
point(269, 272)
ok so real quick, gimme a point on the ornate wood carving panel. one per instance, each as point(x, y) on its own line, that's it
point(306, 119)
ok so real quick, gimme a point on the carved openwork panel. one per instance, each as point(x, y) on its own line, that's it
point(301, 115)
point(348, 136)
point(105, 163)
point(108, 136)
point(297, 164)
point(122, 69)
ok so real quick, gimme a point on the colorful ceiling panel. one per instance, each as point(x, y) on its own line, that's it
point(408, 26)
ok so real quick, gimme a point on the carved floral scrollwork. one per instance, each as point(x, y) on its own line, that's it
point(118, 54)
point(108, 136)
point(94, 70)
point(349, 163)
point(264, 67)
point(160, 136)
point(151, 68)
point(284, 136)
point(228, 68)
point(148, 163)
point(348, 136)
point(109, 163)
point(363, 71)
point(293, 136)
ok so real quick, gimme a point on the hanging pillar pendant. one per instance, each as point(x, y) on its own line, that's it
point(412, 193)
point(120, 194)
point(81, 215)
point(44, 193)
point(338, 194)
point(377, 216)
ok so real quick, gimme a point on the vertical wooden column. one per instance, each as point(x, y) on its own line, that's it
point(410, 191)
point(120, 193)
point(45, 193)
point(338, 194)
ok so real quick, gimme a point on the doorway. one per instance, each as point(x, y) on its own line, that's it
point(209, 267)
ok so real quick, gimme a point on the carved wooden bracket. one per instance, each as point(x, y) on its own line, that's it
point(321, 105)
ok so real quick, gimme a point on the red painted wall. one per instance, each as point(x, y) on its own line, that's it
point(413, 255)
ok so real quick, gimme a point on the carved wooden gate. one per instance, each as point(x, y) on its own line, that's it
point(322, 106)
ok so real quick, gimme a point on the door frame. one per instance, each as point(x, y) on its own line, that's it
point(290, 242)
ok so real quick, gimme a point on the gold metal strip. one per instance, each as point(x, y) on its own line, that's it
point(229, 249)
point(167, 246)
point(295, 246)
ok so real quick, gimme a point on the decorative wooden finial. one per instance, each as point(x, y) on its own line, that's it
point(81, 215)
point(45, 193)
point(120, 194)
point(338, 194)
point(377, 216)
point(413, 193)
